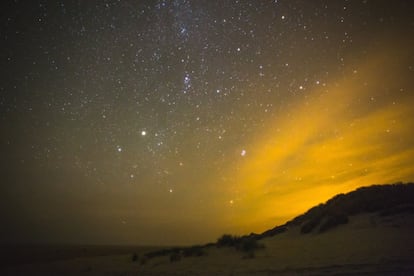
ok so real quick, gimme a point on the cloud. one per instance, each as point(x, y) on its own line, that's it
point(355, 132)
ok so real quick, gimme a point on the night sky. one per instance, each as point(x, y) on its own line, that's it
point(173, 122)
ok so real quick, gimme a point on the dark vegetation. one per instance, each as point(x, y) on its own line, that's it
point(333, 221)
point(162, 252)
point(176, 253)
point(399, 209)
point(383, 199)
point(386, 200)
point(247, 244)
point(193, 251)
point(227, 241)
point(274, 231)
point(175, 257)
point(310, 225)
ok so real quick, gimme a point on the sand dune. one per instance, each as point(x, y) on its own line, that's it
point(369, 244)
point(375, 243)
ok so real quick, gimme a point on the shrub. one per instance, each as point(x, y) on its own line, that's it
point(376, 198)
point(248, 244)
point(272, 232)
point(159, 253)
point(333, 221)
point(193, 251)
point(227, 240)
point(400, 209)
point(175, 257)
point(210, 244)
point(310, 225)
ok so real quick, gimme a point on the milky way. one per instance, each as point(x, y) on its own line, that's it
point(172, 122)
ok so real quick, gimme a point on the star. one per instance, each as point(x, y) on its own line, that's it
point(213, 101)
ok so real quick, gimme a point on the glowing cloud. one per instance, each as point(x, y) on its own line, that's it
point(351, 133)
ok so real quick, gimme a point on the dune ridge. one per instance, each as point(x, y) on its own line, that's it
point(364, 232)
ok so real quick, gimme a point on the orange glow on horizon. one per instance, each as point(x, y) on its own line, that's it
point(330, 144)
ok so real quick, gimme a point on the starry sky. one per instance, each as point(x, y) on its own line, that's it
point(173, 122)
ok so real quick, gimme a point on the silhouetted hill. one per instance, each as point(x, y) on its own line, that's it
point(385, 199)
point(376, 240)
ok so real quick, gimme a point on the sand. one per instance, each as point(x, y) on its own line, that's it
point(368, 244)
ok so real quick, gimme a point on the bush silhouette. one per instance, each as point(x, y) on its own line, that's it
point(176, 253)
point(272, 232)
point(227, 240)
point(175, 257)
point(193, 251)
point(384, 199)
point(160, 253)
point(310, 225)
point(400, 209)
point(134, 257)
point(248, 244)
point(333, 221)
